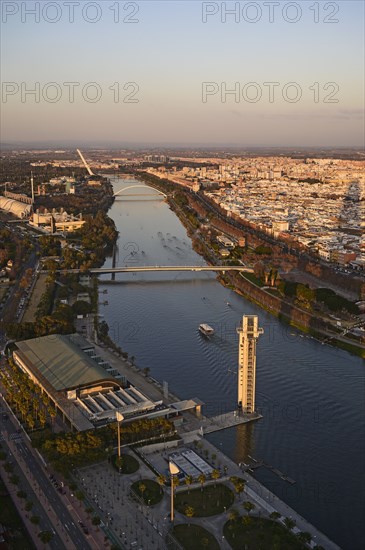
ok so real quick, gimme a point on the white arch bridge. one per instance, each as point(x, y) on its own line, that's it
point(139, 269)
point(157, 193)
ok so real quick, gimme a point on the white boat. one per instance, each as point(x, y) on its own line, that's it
point(206, 329)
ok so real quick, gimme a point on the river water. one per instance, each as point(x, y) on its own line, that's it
point(311, 395)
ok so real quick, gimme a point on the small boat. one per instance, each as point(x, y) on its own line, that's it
point(206, 329)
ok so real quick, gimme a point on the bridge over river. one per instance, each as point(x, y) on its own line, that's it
point(142, 269)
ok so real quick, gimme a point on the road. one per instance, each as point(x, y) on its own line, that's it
point(25, 484)
point(53, 498)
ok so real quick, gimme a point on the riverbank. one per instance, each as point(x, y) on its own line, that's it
point(309, 394)
point(293, 316)
point(265, 501)
point(285, 311)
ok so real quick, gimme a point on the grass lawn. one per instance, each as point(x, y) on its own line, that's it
point(210, 501)
point(260, 534)
point(10, 519)
point(129, 464)
point(152, 493)
point(193, 537)
point(251, 277)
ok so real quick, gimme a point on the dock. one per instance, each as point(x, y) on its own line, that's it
point(226, 420)
point(261, 463)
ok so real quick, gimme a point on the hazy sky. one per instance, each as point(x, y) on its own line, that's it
point(178, 68)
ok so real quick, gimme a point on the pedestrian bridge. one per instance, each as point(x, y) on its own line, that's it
point(157, 193)
point(142, 269)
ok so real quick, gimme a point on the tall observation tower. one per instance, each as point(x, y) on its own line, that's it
point(248, 333)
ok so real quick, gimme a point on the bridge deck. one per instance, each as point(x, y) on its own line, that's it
point(136, 269)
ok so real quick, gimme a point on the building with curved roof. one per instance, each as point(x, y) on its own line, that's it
point(87, 390)
point(60, 361)
point(18, 209)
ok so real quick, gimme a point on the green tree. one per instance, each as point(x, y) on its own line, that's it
point(14, 479)
point(161, 480)
point(45, 536)
point(305, 295)
point(275, 515)
point(35, 520)
point(188, 482)
point(35, 407)
point(189, 512)
point(215, 475)
point(304, 536)
point(233, 515)
point(246, 520)
point(202, 479)
point(175, 481)
point(52, 413)
point(142, 488)
point(42, 418)
point(238, 483)
point(289, 523)
point(30, 421)
point(248, 506)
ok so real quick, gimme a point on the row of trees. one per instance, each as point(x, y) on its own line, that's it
point(305, 297)
point(26, 399)
point(90, 446)
point(188, 480)
point(44, 536)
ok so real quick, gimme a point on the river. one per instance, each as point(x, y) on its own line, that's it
point(311, 395)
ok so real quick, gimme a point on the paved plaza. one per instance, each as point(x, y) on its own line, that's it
point(131, 524)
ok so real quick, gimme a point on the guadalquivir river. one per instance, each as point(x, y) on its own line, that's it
point(311, 395)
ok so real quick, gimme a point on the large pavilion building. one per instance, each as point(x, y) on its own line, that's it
point(87, 390)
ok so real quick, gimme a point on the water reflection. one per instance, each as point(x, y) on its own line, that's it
point(311, 395)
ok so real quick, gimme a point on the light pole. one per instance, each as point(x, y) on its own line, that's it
point(174, 470)
point(119, 417)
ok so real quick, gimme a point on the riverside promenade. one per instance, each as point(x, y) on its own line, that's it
point(193, 429)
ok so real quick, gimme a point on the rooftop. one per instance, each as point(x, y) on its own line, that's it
point(61, 360)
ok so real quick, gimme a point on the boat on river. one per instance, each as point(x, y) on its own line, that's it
point(205, 329)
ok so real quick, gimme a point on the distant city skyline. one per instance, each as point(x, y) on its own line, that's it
point(181, 76)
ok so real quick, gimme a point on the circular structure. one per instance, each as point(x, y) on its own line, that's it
point(210, 501)
point(128, 465)
point(192, 537)
point(260, 534)
point(148, 490)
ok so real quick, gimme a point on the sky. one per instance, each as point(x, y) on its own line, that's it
point(262, 73)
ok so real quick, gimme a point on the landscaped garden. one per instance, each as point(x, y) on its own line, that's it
point(207, 501)
point(67, 451)
point(193, 537)
point(148, 490)
point(126, 464)
point(253, 533)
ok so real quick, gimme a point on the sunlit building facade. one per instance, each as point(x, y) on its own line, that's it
point(248, 332)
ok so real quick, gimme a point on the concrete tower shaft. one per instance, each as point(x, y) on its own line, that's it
point(248, 332)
